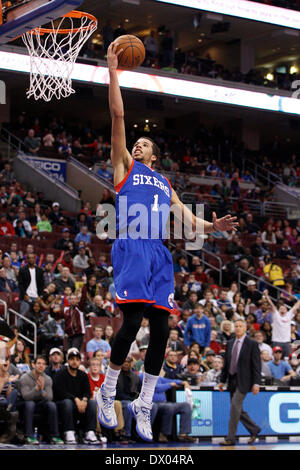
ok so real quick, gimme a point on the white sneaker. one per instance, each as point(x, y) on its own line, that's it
point(142, 413)
point(90, 438)
point(105, 409)
point(70, 437)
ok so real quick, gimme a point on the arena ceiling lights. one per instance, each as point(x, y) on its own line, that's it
point(166, 86)
point(244, 9)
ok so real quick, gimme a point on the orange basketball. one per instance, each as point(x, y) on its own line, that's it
point(133, 53)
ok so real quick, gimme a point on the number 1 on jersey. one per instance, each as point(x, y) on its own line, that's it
point(155, 204)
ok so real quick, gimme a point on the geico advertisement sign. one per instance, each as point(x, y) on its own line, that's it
point(201, 404)
point(47, 166)
point(284, 413)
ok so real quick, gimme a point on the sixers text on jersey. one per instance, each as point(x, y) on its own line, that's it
point(143, 204)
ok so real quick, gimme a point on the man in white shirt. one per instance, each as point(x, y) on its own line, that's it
point(31, 283)
point(212, 377)
point(281, 325)
point(208, 297)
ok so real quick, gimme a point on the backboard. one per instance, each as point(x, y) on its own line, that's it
point(19, 16)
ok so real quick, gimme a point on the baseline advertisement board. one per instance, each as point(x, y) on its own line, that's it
point(274, 412)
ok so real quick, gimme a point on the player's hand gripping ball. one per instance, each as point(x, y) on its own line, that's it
point(133, 53)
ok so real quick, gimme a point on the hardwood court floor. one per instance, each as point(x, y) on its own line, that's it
point(171, 446)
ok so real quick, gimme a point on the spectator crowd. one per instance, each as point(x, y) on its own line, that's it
point(57, 274)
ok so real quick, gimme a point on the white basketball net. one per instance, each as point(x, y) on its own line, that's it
point(53, 55)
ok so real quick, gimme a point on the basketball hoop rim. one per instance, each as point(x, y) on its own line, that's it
point(71, 14)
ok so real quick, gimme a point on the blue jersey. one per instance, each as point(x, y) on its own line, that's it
point(143, 204)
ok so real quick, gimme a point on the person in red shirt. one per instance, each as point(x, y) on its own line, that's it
point(6, 229)
point(215, 344)
point(95, 376)
point(200, 275)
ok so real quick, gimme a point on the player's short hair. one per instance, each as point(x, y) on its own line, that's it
point(155, 147)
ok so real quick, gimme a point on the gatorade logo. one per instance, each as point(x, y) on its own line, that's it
point(284, 413)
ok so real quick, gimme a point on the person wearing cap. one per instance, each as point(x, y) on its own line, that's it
point(55, 215)
point(139, 364)
point(192, 373)
point(63, 242)
point(281, 324)
point(251, 295)
point(56, 357)
point(72, 395)
point(280, 370)
point(209, 359)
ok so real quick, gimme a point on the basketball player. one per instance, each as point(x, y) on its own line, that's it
point(143, 267)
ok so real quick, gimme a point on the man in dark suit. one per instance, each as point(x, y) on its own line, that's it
point(242, 368)
point(31, 283)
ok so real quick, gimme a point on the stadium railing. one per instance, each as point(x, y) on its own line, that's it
point(17, 316)
point(260, 282)
point(260, 173)
point(263, 209)
point(2, 302)
point(14, 144)
point(204, 254)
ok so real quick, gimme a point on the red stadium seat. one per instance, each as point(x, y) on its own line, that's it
point(103, 321)
point(116, 323)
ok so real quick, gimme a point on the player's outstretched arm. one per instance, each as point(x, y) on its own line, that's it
point(120, 157)
point(226, 223)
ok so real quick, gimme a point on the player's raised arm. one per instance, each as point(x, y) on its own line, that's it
point(226, 223)
point(120, 157)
